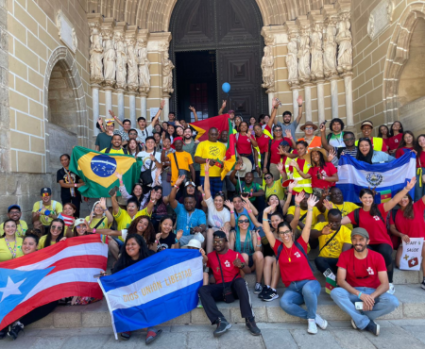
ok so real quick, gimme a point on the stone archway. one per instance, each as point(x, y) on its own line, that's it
point(397, 106)
point(65, 110)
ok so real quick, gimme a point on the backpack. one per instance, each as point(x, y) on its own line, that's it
point(357, 217)
point(108, 150)
point(297, 244)
point(53, 205)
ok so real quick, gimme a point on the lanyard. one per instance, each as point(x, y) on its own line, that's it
point(188, 217)
point(12, 251)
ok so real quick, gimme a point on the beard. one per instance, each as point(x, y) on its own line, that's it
point(360, 248)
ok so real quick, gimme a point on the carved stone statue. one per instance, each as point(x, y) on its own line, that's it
point(345, 49)
point(267, 65)
point(371, 27)
point(121, 60)
point(143, 61)
point(291, 61)
point(167, 74)
point(317, 53)
point(329, 61)
point(108, 58)
point(304, 56)
point(132, 77)
point(390, 10)
point(96, 56)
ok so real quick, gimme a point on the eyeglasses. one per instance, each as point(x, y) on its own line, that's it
point(243, 221)
point(277, 130)
point(285, 232)
point(132, 133)
point(56, 227)
point(308, 128)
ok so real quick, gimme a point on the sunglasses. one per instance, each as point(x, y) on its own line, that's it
point(56, 227)
point(277, 130)
point(268, 177)
point(285, 232)
point(243, 221)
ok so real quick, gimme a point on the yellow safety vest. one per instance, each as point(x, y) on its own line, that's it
point(378, 143)
point(303, 184)
point(267, 133)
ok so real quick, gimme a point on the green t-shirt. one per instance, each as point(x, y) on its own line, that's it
point(252, 188)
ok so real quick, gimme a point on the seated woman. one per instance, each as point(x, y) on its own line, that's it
point(407, 144)
point(55, 234)
point(366, 153)
point(165, 236)
point(408, 222)
point(10, 242)
point(218, 215)
point(29, 245)
point(69, 209)
point(100, 217)
point(159, 210)
point(135, 250)
point(297, 274)
point(136, 192)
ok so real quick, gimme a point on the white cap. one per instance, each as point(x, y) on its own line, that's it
point(79, 221)
point(193, 243)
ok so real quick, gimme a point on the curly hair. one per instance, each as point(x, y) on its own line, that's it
point(148, 234)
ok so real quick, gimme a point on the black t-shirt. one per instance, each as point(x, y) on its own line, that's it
point(103, 140)
point(66, 192)
point(168, 241)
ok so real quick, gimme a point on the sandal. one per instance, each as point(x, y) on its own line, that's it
point(152, 335)
point(125, 335)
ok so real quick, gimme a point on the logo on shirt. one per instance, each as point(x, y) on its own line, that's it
point(376, 218)
point(370, 271)
point(396, 140)
point(227, 264)
point(297, 254)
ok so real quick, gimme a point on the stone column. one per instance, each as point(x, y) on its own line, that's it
point(334, 97)
point(304, 61)
point(295, 95)
point(320, 101)
point(109, 61)
point(108, 99)
point(270, 97)
point(349, 99)
point(132, 71)
point(121, 64)
point(132, 101)
point(143, 104)
point(121, 104)
point(95, 107)
point(292, 62)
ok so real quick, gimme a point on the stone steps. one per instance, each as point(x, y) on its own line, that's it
point(411, 297)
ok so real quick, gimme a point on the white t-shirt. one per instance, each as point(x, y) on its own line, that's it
point(216, 219)
point(145, 156)
point(143, 134)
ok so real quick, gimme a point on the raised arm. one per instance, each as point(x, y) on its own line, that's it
point(300, 109)
point(172, 198)
point(115, 206)
point(266, 226)
point(252, 139)
point(195, 115)
point(311, 202)
point(325, 143)
point(247, 206)
point(119, 122)
point(158, 113)
point(273, 113)
point(229, 204)
point(207, 186)
point(123, 190)
point(223, 105)
point(294, 164)
point(402, 193)
point(296, 220)
point(102, 203)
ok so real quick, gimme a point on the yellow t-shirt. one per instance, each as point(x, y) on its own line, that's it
point(276, 189)
point(5, 253)
point(103, 225)
point(45, 220)
point(42, 242)
point(316, 213)
point(334, 248)
point(114, 151)
point(345, 208)
point(213, 151)
point(184, 159)
point(22, 228)
point(124, 219)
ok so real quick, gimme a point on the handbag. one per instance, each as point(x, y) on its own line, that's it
point(181, 172)
point(228, 296)
point(146, 176)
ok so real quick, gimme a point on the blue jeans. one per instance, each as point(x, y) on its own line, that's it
point(345, 300)
point(419, 189)
point(300, 292)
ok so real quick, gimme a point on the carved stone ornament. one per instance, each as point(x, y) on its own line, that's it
point(329, 49)
point(167, 74)
point(66, 31)
point(317, 52)
point(345, 49)
point(109, 57)
point(143, 63)
point(96, 55)
point(121, 60)
point(267, 66)
point(390, 10)
point(304, 55)
point(371, 27)
point(380, 18)
point(291, 60)
point(133, 70)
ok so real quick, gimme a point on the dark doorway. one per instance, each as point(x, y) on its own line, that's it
point(229, 31)
point(196, 82)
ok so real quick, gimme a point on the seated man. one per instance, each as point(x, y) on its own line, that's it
point(14, 213)
point(337, 201)
point(115, 147)
point(303, 213)
point(46, 210)
point(226, 265)
point(363, 280)
point(191, 220)
point(334, 238)
point(237, 208)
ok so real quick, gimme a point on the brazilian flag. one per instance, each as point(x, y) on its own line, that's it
point(97, 170)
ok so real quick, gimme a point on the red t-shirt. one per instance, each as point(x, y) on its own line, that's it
point(300, 162)
point(362, 272)
point(298, 268)
point(243, 144)
point(394, 142)
point(420, 160)
point(375, 227)
point(275, 157)
point(328, 171)
point(226, 260)
point(414, 228)
point(400, 152)
point(263, 141)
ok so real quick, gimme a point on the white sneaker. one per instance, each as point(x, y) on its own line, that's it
point(391, 290)
point(312, 328)
point(322, 323)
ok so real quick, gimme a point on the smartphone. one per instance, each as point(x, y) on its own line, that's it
point(358, 305)
point(113, 191)
point(245, 195)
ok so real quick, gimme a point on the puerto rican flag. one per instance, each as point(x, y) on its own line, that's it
point(65, 269)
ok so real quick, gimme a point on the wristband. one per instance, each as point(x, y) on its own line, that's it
point(297, 205)
point(176, 186)
point(94, 231)
point(310, 210)
point(75, 185)
point(258, 245)
point(232, 211)
point(176, 240)
point(121, 183)
point(299, 106)
point(249, 211)
point(160, 108)
point(250, 194)
point(359, 295)
point(290, 192)
point(152, 201)
point(207, 172)
point(203, 195)
point(258, 238)
point(266, 220)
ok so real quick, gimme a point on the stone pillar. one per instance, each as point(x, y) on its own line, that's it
point(334, 97)
point(109, 61)
point(295, 95)
point(292, 55)
point(307, 102)
point(121, 104)
point(108, 99)
point(95, 107)
point(143, 104)
point(132, 101)
point(320, 101)
point(166, 107)
point(349, 99)
point(270, 96)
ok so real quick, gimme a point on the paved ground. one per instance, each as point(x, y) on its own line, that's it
point(394, 334)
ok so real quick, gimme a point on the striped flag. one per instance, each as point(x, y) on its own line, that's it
point(230, 157)
point(388, 178)
point(67, 219)
point(202, 127)
point(62, 270)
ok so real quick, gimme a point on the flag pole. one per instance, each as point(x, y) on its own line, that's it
point(240, 186)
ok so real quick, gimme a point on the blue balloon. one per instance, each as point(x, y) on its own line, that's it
point(226, 87)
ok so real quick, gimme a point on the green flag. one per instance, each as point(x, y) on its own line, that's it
point(97, 170)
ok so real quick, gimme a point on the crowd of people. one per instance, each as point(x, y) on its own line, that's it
point(274, 213)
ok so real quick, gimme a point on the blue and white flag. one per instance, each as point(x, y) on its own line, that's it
point(388, 178)
point(154, 290)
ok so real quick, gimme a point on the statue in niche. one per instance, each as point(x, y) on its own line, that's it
point(143, 61)
point(317, 53)
point(330, 51)
point(267, 65)
point(133, 70)
point(109, 58)
point(167, 74)
point(345, 50)
point(291, 61)
point(121, 62)
point(304, 56)
point(371, 27)
point(96, 55)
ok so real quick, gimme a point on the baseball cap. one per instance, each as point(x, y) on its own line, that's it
point(47, 191)
point(79, 221)
point(193, 243)
point(11, 207)
point(366, 123)
point(360, 231)
point(284, 144)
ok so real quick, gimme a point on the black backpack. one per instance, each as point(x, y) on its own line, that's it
point(108, 150)
point(280, 248)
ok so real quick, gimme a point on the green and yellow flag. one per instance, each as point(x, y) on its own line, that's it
point(97, 170)
point(230, 157)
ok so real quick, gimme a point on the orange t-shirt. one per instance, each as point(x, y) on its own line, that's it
point(315, 143)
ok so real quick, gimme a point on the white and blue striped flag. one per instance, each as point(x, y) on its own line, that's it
point(388, 178)
point(154, 290)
